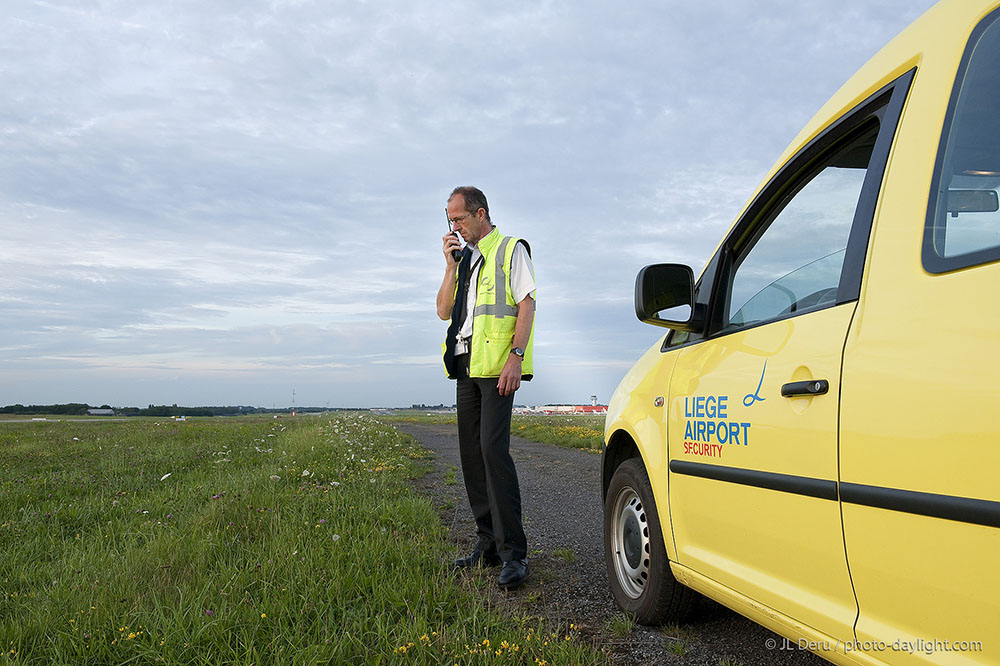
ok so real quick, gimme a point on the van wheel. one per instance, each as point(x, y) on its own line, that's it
point(638, 569)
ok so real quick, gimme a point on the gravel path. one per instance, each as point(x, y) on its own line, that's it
point(560, 494)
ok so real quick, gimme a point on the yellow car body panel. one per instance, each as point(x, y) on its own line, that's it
point(633, 410)
point(869, 528)
point(921, 411)
point(799, 636)
point(793, 559)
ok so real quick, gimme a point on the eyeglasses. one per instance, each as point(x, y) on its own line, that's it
point(452, 221)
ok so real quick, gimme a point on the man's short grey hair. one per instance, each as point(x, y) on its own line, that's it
point(474, 199)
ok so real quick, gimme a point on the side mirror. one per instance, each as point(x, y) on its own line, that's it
point(664, 296)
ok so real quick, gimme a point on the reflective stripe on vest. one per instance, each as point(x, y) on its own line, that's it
point(499, 308)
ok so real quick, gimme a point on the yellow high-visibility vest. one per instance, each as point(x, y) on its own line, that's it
point(495, 313)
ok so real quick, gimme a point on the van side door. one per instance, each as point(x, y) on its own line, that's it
point(919, 429)
point(754, 406)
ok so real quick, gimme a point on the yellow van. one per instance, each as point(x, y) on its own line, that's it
point(815, 442)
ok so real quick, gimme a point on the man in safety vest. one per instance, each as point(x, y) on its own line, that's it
point(488, 296)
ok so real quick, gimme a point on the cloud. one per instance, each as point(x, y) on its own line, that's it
point(201, 202)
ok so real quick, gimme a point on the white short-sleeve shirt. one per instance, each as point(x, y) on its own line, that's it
point(522, 282)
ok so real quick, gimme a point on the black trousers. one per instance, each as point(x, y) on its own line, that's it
point(490, 477)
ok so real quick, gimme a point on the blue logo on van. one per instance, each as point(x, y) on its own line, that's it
point(751, 398)
point(708, 428)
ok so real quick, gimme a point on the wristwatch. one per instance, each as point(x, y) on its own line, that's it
point(517, 351)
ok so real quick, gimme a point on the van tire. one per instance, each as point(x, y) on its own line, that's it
point(638, 570)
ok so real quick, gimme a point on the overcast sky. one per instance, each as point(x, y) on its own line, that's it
point(220, 203)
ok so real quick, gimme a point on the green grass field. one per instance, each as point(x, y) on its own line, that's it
point(578, 431)
point(238, 541)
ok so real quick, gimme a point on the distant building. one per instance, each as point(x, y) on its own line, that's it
point(566, 409)
point(100, 412)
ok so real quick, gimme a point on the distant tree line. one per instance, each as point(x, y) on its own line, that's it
point(71, 409)
point(80, 409)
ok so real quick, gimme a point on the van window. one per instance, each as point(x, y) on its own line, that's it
point(795, 265)
point(963, 225)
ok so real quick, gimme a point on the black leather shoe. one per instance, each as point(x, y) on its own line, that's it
point(513, 574)
point(478, 558)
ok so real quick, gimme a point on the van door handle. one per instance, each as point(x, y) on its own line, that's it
point(807, 388)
